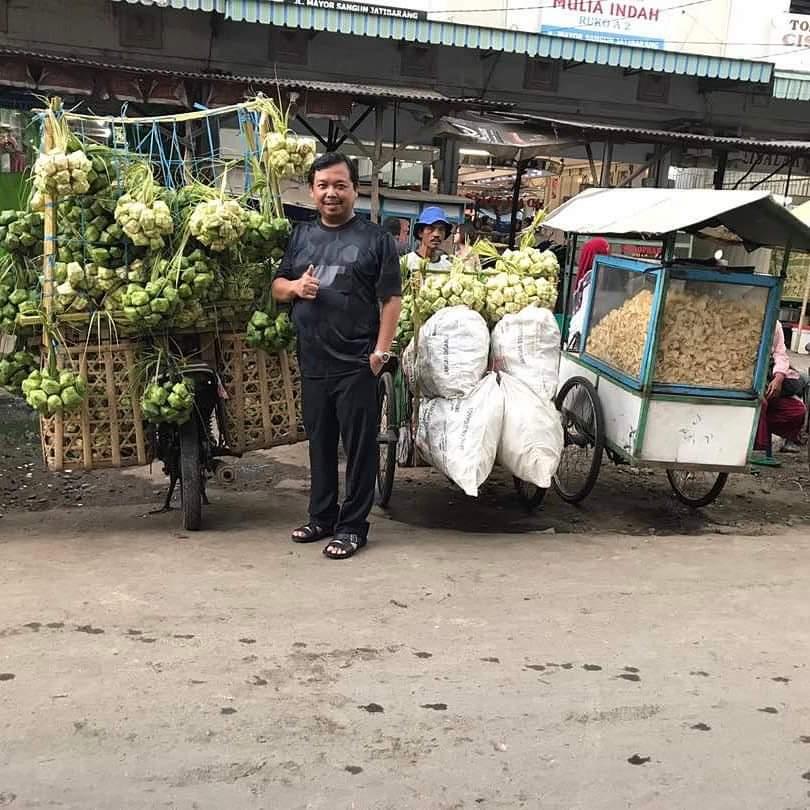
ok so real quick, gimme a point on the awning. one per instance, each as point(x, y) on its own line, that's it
point(791, 86)
point(14, 61)
point(391, 23)
point(534, 134)
point(189, 5)
point(754, 216)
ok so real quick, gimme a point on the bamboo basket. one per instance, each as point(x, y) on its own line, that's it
point(108, 430)
point(264, 395)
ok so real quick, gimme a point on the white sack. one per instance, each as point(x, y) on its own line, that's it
point(452, 354)
point(532, 436)
point(459, 437)
point(526, 345)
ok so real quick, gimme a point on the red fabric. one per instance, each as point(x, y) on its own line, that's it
point(783, 416)
point(590, 250)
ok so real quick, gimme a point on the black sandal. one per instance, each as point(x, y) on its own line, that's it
point(312, 533)
point(348, 543)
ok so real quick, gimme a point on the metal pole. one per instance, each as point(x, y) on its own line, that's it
point(607, 161)
point(375, 164)
point(394, 149)
point(720, 174)
point(568, 273)
point(520, 170)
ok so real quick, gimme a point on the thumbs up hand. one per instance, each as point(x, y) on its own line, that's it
point(308, 285)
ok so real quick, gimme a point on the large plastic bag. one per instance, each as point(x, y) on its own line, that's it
point(531, 441)
point(526, 345)
point(452, 354)
point(459, 437)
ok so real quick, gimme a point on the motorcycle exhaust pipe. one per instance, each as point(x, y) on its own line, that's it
point(224, 472)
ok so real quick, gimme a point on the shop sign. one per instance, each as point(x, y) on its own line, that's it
point(642, 251)
point(360, 8)
point(791, 31)
point(638, 23)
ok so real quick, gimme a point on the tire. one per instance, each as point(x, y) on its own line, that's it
point(584, 430)
point(387, 452)
point(530, 495)
point(191, 474)
point(690, 498)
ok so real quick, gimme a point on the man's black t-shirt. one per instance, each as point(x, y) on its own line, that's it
point(357, 266)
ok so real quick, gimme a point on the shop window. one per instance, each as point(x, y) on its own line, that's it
point(418, 62)
point(800, 7)
point(140, 27)
point(541, 74)
point(653, 88)
point(289, 46)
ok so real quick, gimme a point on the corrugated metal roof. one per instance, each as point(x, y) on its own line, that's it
point(358, 91)
point(189, 5)
point(517, 130)
point(791, 86)
point(435, 32)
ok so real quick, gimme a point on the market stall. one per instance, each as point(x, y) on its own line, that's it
point(476, 372)
point(135, 294)
point(673, 357)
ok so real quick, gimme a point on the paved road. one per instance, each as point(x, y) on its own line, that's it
point(144, 668)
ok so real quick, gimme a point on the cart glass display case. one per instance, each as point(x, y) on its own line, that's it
point(682, 328)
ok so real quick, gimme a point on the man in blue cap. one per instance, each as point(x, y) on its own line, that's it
point(430, 230)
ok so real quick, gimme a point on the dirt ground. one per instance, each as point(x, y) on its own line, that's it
point(625, 500)
point(472, 656)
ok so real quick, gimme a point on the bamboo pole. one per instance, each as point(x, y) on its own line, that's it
point(375, 163)
point(804, 309)
point(48, 257)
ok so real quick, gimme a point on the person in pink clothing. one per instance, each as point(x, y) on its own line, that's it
point(783, 412)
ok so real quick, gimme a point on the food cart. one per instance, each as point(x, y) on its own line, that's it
point(672, 362)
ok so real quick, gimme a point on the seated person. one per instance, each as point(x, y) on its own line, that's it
point(783, 412)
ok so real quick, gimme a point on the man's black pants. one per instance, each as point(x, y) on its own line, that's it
point(346, 408)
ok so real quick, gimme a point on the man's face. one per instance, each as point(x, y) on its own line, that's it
point(432, 236)
point(333, 193)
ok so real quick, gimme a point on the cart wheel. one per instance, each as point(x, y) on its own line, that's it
point(584, 440)
point(696, 488)
point(531, 495)
point(387, 445)
point(191, 475)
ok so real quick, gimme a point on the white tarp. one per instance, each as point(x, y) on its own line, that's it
point(453, 353)
point(459, 437)
point(531, 441)
point(754, 216)
point(526, 344)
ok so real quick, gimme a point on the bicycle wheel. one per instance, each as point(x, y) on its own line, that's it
point(696, 488)
point(191, 474)
point(386, 441)
point(584, 440)
point(530, 494)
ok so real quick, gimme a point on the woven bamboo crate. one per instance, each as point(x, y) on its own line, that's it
point(108, 430)
point(264, 395)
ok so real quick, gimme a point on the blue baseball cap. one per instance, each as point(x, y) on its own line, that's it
point(432, 215)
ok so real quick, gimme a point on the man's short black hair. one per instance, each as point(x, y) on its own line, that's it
point(333, 159)
point(393, 226)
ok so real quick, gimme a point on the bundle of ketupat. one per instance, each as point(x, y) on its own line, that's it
point(51, 393)
point(22, 233)
point(272, 333)
point(265, 239)
point(169, 402)
point(14, 368)
point(405, 325)
point(15, 301)
point(508, 293)
point(218, 223)
point(453, 289)
point(153, 304)
point(142, 215)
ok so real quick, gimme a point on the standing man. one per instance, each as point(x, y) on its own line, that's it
point(430, 230)
point(341, 273)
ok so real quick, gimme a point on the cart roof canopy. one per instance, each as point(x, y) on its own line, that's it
point(755, 217)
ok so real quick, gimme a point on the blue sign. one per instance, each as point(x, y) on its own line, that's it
point(603, 35)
